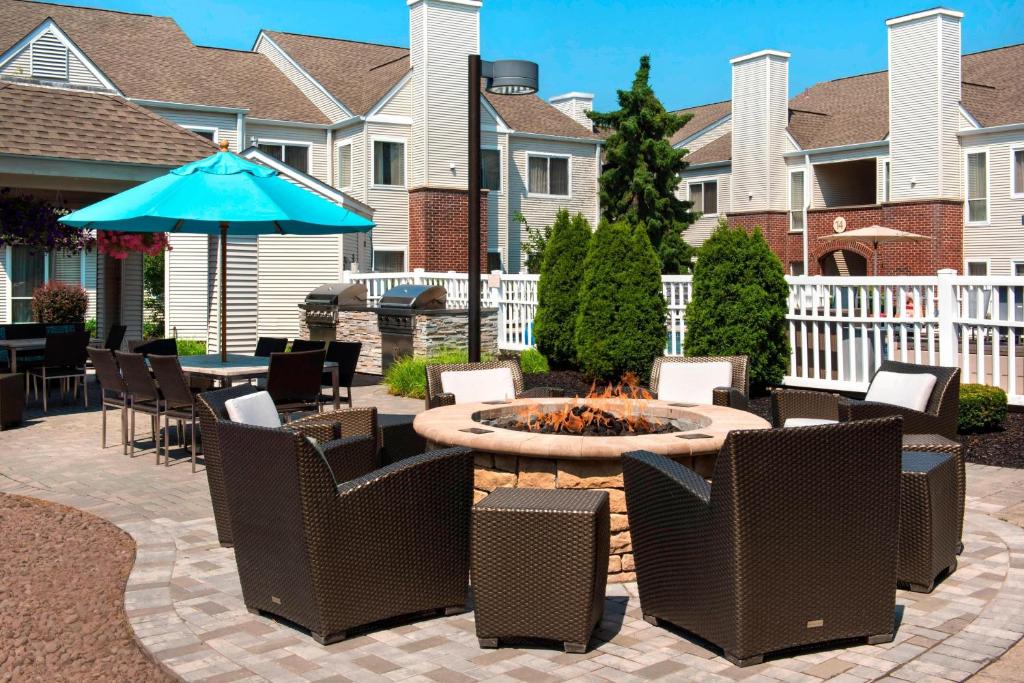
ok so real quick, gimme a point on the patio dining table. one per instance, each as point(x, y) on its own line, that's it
point(242, 367)
point(13, 346)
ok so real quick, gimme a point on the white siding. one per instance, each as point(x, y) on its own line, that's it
point(289, 267)
point(187, 294)
point(709, 137)
point(540, 211)
point(79, 73)
point(575, 108)
point(242, 295)
point(924, 86)
point(131, 295)
point(400, 103)
point(390, 204)
point(301, 80)
point(759, 118)
point(20, 65)
point(319, 162)
point(225, 124)
point(89, 281)
point(702, 228)
point(1002, 240)
point(5, 287)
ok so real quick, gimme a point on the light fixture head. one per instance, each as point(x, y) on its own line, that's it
point(511, 77)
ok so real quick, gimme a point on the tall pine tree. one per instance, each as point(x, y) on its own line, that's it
point(638, 185)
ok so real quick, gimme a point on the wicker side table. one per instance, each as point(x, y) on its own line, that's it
point(934, 443)
point(539, 565)
point(928, 527)
point(12, 400)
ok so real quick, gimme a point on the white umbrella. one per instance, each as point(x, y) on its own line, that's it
point(875, 235)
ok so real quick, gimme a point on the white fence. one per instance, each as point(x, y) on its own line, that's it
point(840, 329)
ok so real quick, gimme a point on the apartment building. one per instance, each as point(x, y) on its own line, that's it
point(378, 129)
point(934, 145)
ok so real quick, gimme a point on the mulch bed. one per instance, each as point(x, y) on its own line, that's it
point(1002, 448)
point(62, 579)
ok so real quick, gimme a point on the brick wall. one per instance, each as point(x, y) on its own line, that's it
point(941, 220)
point(438, 218)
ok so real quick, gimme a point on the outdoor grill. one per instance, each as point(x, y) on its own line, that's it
point(323, 303)
point(396, 317)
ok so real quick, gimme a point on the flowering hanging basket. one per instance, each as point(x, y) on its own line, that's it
point(118, 245)
point(31, 222)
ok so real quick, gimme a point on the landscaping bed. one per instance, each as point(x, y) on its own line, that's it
point(62, 579)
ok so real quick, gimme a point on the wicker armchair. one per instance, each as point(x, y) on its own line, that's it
point(322, 427)
point(794, 544)
point(939, 416)
point(327, 542)
point(435, 392)
point(735, 396)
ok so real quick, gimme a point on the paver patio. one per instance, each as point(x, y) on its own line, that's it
point(184, 601)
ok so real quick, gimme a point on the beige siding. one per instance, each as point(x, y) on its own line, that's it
point(301, 80)
point(89, 282)
point(417, 156)
point(20, 65)
point(709, 137)
point(187, 294)
point(924, 83)
point(540, 211)
point(226, 124)
point(1002, 240)
point(400, 103)
point(289, 267)
point(79, 73)
point(702, 228)
point(242, 295)
point(880, 179)
point(390, 204)
point(319, 162)
point(131, 295)
point(759, 119)
point(5, 287)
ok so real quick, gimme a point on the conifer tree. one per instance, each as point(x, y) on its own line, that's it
point(558, 291)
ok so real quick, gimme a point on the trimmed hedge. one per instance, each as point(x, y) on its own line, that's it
point(191, 347)
point(738, 307)
point(982, 408)
point(620, 326)
point(56, 302)
point(558, 291)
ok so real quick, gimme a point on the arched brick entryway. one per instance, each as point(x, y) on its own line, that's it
point(844, 262)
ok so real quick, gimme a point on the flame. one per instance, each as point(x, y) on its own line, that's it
point(602, 410)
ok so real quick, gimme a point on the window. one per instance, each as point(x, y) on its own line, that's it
point(493, 261)
point(977, 187)
point(388, 163)
point(796, 201)
point(796, 268)
point(886, 180)
point(490, 170)
point(345, 166)
point(296, 156)
point(977, 268)
point(28, 271)
point(1018, 172)
point(1018, 268)
point(388, 261)
point(208, 133)
point(548, 175)
point(704, 196)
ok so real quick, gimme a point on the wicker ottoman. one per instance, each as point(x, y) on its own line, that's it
point(928, 520)
point(933, 443)
point(12, 400)
point(540, 565)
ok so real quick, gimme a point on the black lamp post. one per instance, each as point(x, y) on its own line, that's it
point(504, 77)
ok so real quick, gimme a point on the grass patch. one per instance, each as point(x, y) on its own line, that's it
point(191, 347)
point(533, 362)
point(408, 375)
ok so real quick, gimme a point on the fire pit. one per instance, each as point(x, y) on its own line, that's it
point(577, 443)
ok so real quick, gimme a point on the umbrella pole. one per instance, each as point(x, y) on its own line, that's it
point(223, 292)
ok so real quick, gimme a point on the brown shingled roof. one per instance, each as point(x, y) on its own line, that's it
point(856, 109)
point(359, 74)
point(87, 126)
point(719, 149)
point(150, 58)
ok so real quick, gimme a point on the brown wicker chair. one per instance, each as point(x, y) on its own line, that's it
point(939, 417)
point(325, 541)
point(735, 396)
point(323, 427)
point(794, 544)
point(436, 396)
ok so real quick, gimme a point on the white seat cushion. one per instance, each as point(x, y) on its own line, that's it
point(693, 382)
point(807, 422)
point(902, 389)
point(476, 386)
point(256, 409)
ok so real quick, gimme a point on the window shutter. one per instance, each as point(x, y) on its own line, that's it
point(49, 58)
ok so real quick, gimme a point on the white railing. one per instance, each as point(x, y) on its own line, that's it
point(840, 329)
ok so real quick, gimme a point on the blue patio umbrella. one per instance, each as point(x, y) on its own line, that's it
point(223, 194)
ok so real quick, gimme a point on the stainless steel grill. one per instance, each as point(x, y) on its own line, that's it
point(321, 307)
point(396, 317)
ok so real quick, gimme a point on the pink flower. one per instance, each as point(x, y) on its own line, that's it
point(119, 245)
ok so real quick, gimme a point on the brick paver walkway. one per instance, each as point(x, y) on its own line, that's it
point(184, 601)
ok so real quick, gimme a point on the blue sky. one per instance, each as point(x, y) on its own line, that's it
point(595, 45)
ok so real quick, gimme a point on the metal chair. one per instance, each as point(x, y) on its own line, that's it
point(64, 359)
point(177, 403)
point(268, 345)
point(143, 396)
point(346, 355)
point(293, 380)
point(302, 345)
point(113, 391)
point(795, 543)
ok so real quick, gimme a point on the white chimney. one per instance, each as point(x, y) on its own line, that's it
point(760, 114)
point(575, 105)
point(442, 35)
point(924, 104)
